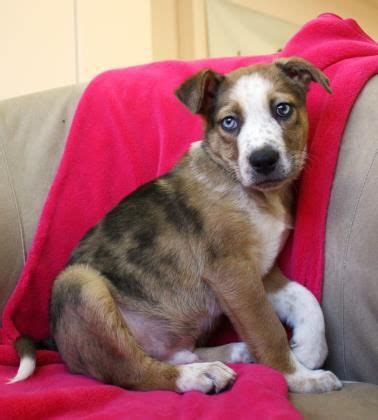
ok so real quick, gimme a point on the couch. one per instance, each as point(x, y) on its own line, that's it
point(33, 130)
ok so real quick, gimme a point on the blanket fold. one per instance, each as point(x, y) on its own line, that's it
point(128, 129)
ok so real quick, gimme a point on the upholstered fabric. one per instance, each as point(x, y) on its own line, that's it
point(357, 401)
point(350, 292)
point(33, 129)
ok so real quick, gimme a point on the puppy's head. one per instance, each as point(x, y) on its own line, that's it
point(255, 117)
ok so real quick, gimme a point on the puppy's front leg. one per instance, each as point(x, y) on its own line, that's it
point(298, 308)
point(240, 292)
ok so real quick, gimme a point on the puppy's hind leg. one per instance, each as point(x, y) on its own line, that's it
point(93, 339)
point(228, 353)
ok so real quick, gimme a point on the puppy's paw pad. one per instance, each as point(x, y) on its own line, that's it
point(313, 381)
point(205, 377)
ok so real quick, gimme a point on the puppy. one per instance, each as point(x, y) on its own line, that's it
point(148, 283)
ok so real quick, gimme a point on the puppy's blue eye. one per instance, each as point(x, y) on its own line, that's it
point(229, 124)
point(284, 110)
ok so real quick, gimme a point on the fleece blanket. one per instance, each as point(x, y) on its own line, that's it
point(128, 129)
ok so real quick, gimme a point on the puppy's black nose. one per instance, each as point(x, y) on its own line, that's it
point(264, 160)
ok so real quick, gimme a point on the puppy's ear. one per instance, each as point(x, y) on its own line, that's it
point(302, 72)
point(199, 91)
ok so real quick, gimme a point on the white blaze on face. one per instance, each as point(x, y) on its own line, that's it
point(259, 129)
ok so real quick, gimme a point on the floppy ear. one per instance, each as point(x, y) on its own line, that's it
point(199, 91)
point(302, 72)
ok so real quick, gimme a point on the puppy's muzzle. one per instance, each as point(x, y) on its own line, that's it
point(264, 161)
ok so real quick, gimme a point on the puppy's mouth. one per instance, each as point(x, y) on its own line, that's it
point(272, 181)
point(264, 183)
point(269, 184)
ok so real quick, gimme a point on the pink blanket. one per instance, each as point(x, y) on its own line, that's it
point(128, 129)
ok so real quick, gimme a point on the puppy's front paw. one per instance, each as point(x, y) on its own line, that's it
point(313, 381)
point(310, 348)
point(205, 377)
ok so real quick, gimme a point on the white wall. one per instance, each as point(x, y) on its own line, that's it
point(112, 33)
point(51, 43)
point(36, 45)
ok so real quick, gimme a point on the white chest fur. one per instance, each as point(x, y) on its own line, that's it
point(271, 229)
point(272, 233)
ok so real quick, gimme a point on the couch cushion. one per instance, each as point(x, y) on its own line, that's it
point(33, 129)
point(354, 401)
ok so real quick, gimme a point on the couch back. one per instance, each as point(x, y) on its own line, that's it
point(350, 292)
point(33, 130)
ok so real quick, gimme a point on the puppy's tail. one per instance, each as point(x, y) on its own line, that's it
point(26, 349)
